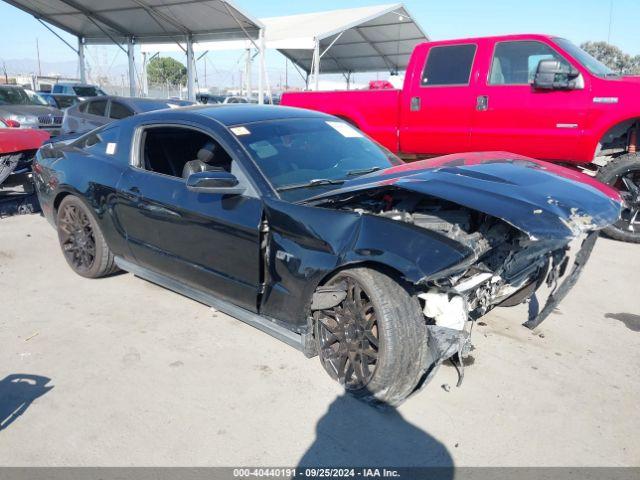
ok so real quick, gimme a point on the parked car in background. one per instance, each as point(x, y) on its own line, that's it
point(80, 90)
point(296, 223)
point(206, 98)
point(18, 109)
point(535, 95)
point(61, 101)
point(17, 150)
point(101, 110)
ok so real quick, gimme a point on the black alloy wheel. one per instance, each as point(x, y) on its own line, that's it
point(77, 238)
point(348, 338)
point(629, 187)
point(623, 174)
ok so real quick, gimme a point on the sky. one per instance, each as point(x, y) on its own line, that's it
point(577, 20)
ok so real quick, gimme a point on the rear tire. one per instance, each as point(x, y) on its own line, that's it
point(375, 341)
point(623, 173)
point(81, 240)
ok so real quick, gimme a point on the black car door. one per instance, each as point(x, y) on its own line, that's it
point(208, 241)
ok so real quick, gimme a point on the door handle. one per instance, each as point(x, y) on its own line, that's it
point(134, 192)
point(482, 103)
point(415, 104)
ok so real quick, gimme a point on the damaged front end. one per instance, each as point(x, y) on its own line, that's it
point(524, 246)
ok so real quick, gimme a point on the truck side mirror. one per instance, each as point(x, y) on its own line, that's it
point(553, 74)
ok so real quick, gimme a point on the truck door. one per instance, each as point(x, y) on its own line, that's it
point(438, 101)
point(511, 115)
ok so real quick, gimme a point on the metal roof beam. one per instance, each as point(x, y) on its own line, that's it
point(387, 61)
point(93, 17)
point(155, 15)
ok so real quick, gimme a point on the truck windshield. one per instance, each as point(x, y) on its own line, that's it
point(87, 91)
point(594, 66)
point(304, 156)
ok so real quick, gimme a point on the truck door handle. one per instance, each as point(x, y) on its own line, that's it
point(482, 103)
point(415, 104)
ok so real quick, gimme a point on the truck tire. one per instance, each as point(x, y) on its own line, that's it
point(81, 240)
point(623, 173)
point(374, 342)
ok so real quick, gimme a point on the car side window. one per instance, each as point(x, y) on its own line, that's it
point(82, 108)
point(515, 63)
point(179, 151)
point(448, 65)
point(119, 111)
point(97, 107)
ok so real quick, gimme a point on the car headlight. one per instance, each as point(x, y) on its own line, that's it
point(25, 121)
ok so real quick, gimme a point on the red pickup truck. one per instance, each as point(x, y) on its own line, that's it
point(534, 95)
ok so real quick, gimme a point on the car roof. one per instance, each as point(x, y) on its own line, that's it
point(241, 113)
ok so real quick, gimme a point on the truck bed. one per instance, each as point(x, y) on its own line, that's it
point(376, 112)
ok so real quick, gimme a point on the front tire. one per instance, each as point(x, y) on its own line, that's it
point(81, 240)
point(375, 341)
point(623, 173)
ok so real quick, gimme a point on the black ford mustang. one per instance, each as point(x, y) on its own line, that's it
point(296, 223)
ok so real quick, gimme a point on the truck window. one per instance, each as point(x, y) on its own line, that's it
point(448, 65)
point(515, 63)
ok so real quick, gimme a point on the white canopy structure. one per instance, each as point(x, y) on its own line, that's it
point(366, 39)
point(147, 21)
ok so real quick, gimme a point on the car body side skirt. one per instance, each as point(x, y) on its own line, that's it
point(260, 322)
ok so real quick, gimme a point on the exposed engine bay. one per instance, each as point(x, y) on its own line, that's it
point(507, 267)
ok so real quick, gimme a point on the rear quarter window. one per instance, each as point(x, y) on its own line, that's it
point(448, 65)
point(103, 142)
point(97, 107)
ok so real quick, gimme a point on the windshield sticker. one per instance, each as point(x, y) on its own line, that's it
point(264, 149)
point(239, 131)
point(111, 148)
point(345, 129)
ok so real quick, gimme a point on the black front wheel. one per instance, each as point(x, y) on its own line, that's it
point(375, 341)
point(623, 173)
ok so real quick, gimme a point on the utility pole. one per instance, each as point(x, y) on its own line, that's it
point(38, 54)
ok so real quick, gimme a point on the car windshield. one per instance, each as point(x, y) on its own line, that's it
point(594, 66)
point(36, 98)
point(87, 91)
point(302, 157)
point(17, 96)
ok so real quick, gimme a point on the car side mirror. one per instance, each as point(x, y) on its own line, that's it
point(553, 74)
point(215, 181)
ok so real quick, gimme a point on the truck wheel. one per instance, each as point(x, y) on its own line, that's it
point(374, 342)
point(623, 173)
point(81, 240)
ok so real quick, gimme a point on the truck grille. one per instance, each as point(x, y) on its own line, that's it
point(47, 120)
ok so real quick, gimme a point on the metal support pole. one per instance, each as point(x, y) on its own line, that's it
point(132, 67)
point(316, 65)
point(247, 73)
point(262, 67)
point(145, 80)
point(81, 62)
point(191, 93)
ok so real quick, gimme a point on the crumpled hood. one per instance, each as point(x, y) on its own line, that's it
point(538, 198)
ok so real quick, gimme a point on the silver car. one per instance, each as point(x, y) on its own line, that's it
point(19, 109)
point(99, 111)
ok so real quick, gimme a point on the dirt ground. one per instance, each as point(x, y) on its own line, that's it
point(122, 372)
